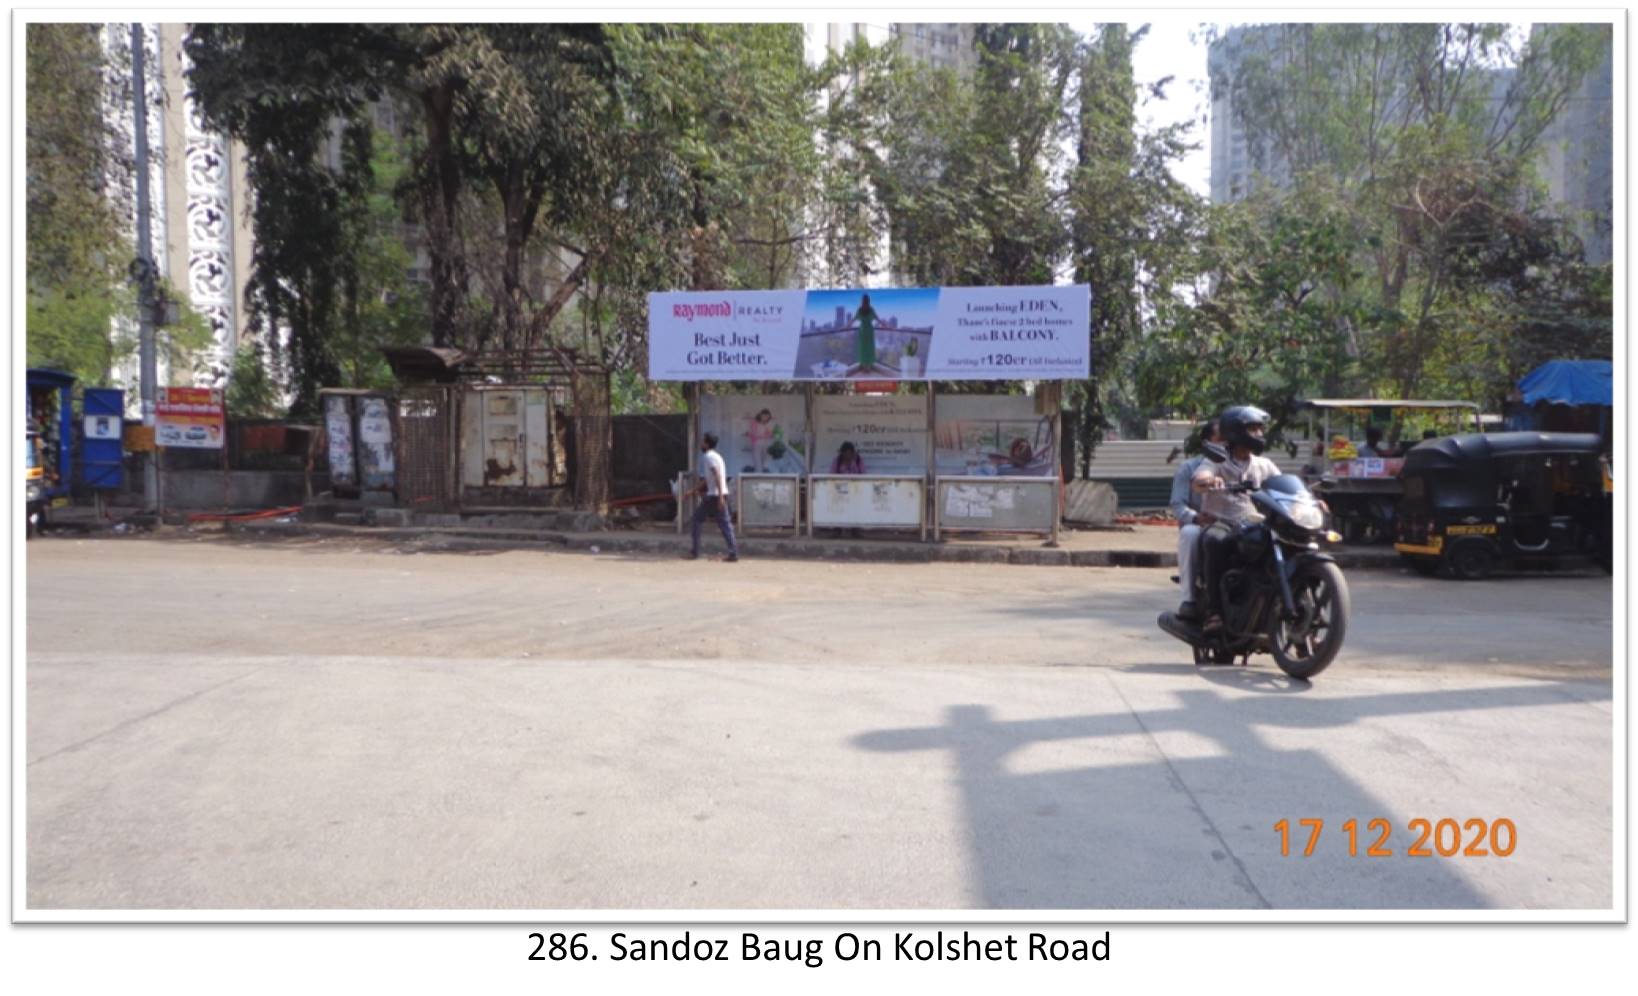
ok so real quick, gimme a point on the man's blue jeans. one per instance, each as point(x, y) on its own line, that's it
point(717, 508)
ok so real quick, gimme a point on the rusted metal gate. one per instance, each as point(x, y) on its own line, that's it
point(506, 437)
point(426, 433)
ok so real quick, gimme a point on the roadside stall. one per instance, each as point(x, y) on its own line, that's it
point(1362, 488)
point(869, 443)
point(1567, 396)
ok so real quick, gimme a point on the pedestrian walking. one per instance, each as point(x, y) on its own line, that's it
point(713, 489)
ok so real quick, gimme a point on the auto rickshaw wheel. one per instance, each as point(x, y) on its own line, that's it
point(1471, 559)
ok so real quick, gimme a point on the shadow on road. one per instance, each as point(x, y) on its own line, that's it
point(1245, 679)
point(1141, 827)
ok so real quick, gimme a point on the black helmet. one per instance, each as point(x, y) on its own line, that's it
point(1236, 423)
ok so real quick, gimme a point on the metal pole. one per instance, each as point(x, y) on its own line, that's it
point(145, 263)
point(1057, 470)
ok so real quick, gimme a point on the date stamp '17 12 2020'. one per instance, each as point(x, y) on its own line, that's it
point(1446, 838)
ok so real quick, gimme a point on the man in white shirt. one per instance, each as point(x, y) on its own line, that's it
point(714, 503)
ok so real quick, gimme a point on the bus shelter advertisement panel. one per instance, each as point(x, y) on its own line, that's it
point(950, 333)
point(992, 436)
point(757, 433)
point(889, 432)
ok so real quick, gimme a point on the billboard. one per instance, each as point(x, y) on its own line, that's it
point(189, 417)
point(883, 334)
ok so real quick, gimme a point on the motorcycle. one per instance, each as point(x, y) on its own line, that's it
point(1280, 594)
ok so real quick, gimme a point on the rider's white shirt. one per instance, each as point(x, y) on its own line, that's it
point(1235, 509)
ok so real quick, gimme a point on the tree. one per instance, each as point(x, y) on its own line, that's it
point(1133, 226)
point(77, 247)
point(969, 170)
point(704, 178)
point(280, 90)
point(1427, 135)
point(1273, 319)
point(380, 306)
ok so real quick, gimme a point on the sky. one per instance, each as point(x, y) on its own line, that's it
point(1169, 50)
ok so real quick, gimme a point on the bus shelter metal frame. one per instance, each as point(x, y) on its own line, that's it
point(1048, 394)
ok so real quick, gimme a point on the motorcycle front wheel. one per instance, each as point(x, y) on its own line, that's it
point(1306, 645)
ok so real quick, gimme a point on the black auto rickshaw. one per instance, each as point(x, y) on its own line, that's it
point(33, 483)
point(1474, 501)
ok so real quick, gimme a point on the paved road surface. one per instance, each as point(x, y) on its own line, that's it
point(311, 725)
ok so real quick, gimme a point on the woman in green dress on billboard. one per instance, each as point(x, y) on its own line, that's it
point(867, 335)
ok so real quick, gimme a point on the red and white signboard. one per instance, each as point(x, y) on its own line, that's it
point(190, 417)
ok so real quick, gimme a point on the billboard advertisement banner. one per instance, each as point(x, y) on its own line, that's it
point(948, 333)
point(189, 417)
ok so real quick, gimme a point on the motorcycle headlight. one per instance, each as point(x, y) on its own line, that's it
point(1305, 515)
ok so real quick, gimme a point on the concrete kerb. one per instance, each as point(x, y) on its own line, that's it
point(772, 548)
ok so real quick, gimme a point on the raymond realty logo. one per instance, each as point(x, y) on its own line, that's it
point(760, 313)
point(689, 312)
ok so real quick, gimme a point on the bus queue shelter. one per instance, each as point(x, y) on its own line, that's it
point(835, 442)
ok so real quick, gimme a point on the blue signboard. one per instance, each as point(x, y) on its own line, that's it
point(102, 446)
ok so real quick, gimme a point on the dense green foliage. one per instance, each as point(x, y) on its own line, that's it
point(80, 305)
point(559, 173)
point(1410, 250)
point(76, 250)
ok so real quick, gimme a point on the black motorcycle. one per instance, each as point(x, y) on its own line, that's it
point(1280, 594)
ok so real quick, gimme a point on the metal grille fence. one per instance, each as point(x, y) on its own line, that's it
point(426, 428)
point(593, 440)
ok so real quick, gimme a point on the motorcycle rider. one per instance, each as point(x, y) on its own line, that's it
point(1185, 507)
point(1243, 428)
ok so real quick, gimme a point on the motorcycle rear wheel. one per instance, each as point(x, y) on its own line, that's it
point(1307, 645)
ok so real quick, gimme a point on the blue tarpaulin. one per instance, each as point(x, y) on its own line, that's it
point(1570, 382)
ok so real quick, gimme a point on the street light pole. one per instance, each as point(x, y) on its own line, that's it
point(144, 265)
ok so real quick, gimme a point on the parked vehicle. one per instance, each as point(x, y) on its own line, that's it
point(1280, 595)
point(34, 483)
point(1363, 489)
point(1473, 503)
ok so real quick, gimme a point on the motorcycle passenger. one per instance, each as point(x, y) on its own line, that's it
point(1185, 507)
point(1223, 514)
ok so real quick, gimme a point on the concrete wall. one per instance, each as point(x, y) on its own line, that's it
point(247, 489)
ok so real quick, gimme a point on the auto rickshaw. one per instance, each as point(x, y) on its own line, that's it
point(34, 483)
point(1472, 502)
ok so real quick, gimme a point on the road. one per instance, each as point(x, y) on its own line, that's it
point(218, 724)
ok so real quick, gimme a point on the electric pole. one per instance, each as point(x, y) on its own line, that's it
point(144, 265)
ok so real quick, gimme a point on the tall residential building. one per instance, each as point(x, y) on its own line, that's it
point(1238, 159)
point(1578, 162)
point(942, 46)
point(199, 201)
